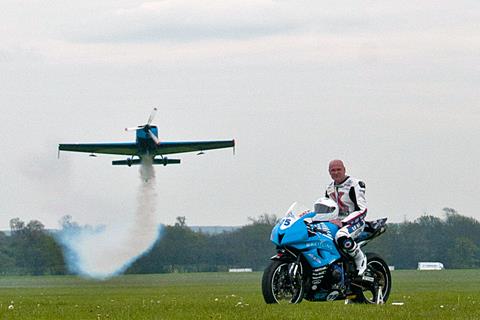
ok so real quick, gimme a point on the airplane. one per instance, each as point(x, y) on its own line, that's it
point(147, 146)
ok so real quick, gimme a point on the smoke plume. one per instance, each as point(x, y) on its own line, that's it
point(108, 250)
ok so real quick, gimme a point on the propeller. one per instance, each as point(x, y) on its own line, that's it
point(154, 137)
point(133, 128)
point(152, 115)
point(149, 121)
point(146, 126)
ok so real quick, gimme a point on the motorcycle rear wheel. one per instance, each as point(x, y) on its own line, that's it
point(278, 285)
point(378, 292)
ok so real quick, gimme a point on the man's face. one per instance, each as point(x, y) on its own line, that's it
point(337, 171)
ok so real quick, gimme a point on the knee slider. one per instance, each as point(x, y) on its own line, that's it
point(346, 244)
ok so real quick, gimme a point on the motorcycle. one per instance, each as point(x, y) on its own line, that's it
point(308, 264)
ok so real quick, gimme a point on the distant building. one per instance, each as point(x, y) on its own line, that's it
point(240, 270)
point(430, 266)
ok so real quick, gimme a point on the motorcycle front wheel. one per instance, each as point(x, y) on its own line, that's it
point(282, 282)
point(378, 290)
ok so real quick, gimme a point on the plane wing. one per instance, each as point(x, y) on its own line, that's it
point(189, 146)
point(131, 148)
point(126, 148)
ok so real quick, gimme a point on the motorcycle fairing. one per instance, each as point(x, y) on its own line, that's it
point(317, 247)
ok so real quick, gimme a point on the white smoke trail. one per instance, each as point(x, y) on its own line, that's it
point(109, 250)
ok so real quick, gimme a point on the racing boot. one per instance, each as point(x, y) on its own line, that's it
point(360, 260)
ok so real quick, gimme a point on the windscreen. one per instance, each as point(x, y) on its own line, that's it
point(322, 208)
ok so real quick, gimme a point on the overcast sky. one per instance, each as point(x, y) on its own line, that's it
point(391, 87)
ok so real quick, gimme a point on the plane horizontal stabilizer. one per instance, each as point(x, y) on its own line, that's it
point(127, 162)
point(166, 161)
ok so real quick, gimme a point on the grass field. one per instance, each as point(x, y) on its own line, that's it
point(448, 294)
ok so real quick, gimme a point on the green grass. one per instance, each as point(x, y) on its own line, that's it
point(449, 294)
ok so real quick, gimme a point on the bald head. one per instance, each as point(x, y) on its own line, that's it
point(336, 168)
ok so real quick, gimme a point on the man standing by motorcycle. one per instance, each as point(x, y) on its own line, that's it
point(349, 194)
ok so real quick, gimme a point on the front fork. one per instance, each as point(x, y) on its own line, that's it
point(294, 269)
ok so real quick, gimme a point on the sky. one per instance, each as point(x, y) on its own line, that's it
point(389, 87)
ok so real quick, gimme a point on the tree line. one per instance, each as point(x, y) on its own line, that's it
point(454, 241)
point(30, 249)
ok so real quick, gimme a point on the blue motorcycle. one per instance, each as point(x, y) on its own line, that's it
point(308, 265)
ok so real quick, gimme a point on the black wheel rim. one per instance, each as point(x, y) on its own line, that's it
point(377, 292)
point(284, 288)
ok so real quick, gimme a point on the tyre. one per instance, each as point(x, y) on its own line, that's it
point(378, 290)
point(281, 283)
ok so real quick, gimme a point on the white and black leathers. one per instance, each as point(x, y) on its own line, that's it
point(352, 205)
point(350, 197)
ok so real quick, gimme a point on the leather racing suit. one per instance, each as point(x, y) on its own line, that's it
point(352, 205)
